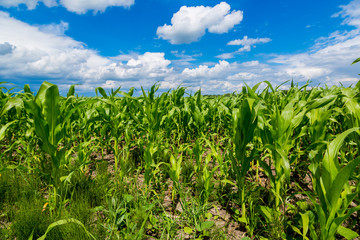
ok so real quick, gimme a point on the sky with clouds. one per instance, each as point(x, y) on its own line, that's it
point(213, 45)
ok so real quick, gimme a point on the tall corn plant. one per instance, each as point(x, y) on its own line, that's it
point(333, 192)
point(152, 111)
point(49, 124)
point(111, 115)
point(7, 121)
point(244, 120)
point(351, 100)
point(115, 117)
point(44, 111)
point(172, 121)
point(194, 108)
point(278, 137)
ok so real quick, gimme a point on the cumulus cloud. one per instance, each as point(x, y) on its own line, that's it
point(6, 48)
point(148, 65)
point(30, 4)
point(30, 52)
point(205, 71)
point(57, 29)
point(189, 24)
point(77, 6)
point(242, 76)
point(82, 6)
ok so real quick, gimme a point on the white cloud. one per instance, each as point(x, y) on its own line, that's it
point(6, 48)
point(57, 29)
point(226, 56)
point(189, 24)
point(148, 65)
point(242, 76)
point(30, 52)
point(351, 13)
point(250, 63)
point(248, 41)
point(30, 4)
point(77, 6)
point(246, 44)
point(334, 39)
point(111, 84)
point(204, 71)
point(82, 6)
point(183, 59)
point(246, 48)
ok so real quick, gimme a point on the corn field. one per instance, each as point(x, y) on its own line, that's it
point(262, 163)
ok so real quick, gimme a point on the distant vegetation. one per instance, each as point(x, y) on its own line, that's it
point(260, 164)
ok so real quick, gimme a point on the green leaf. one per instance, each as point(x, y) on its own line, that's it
point(340, 180)
point(208, 215)
point(101, 91)
point(228, 181)
point(41, 128)
point(357, 60)
point(285, 164)
point(188, 230)
point(62, 222)
point(71, 91)
point(347, 233)
point(266, 212)
point(297, 230)
point(330, 162)
point(13, 102)
point(31, 235)
point(305, 222)
point(320, 102)
point(128, 198)
point(27, 88)
point(3, 129)
point(11, 167)
point(52, 110)
point(207, 225)
point(198, 227)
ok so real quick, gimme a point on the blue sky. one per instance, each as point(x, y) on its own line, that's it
point(213, 45)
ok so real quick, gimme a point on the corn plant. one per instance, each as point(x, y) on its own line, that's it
point(244, 124)
point(49, 125)
point(282, 128)
point(333, 191)
point(174, 172)
point(44, 110)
